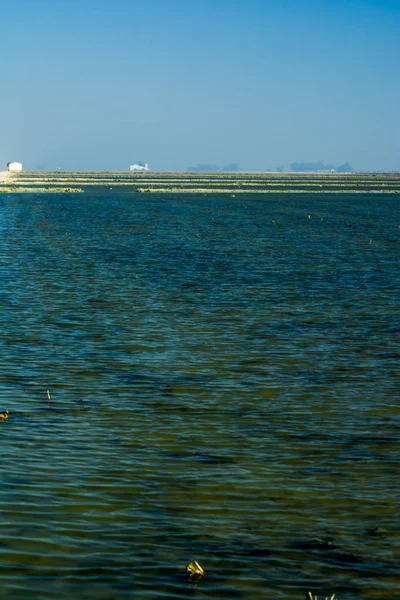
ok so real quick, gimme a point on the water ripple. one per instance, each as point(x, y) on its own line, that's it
point(224, 385)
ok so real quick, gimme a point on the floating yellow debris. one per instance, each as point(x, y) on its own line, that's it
point(4, 415)
point(194, 570)
point(311, 597)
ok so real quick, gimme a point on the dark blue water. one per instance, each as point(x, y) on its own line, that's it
point(225, 388)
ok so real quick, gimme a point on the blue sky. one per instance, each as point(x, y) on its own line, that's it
point(91, 84)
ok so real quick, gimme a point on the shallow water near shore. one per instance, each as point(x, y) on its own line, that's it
point(224, 383)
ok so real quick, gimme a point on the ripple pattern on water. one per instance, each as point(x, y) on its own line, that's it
point(225, 388)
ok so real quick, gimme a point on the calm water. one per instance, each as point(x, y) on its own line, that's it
point(225, 388)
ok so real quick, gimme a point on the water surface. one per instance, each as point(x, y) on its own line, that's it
point(224, 383)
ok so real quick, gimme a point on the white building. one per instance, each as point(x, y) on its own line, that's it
point(14, 166)
point(139, 167)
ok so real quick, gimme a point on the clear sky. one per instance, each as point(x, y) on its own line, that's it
point(99, 84)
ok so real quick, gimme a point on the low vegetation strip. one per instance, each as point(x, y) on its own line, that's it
point(206, 183)
point(242, 184)
point(233, 191)
point(31, 190)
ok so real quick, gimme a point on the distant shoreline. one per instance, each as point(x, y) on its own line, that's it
point(203, 183)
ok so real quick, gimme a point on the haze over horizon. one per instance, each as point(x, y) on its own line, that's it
point(98, 85)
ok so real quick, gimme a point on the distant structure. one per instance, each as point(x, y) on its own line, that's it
point(14, 166)
point(139, 168)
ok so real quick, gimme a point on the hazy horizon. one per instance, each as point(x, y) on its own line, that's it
point(93, 86)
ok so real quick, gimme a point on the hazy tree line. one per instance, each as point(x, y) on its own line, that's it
point(295, 166)
point(319, 166)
